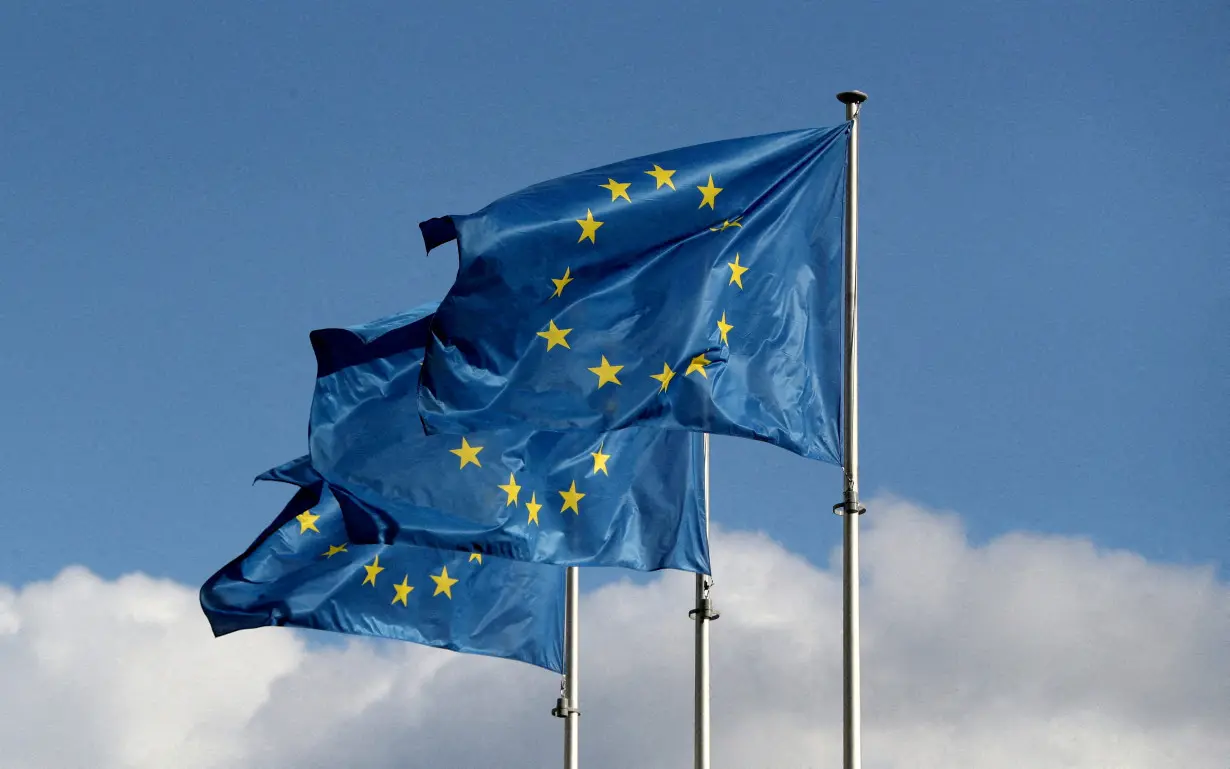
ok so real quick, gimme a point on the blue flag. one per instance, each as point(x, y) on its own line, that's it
point(629, 498)
point(696, 289)
point(303, 572)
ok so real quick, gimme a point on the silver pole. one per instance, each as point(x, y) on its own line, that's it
point(849, 507)
point(566, 707)
point(702, 614)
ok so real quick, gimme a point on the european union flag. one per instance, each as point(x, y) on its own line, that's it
point(696, 289)
point(629, 498)
point(303, 572)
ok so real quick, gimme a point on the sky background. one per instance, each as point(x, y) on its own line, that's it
point(187, 190)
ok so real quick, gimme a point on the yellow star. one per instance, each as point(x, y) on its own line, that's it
point(372, 571)
point(600, 461)
point(307, 521)
point(606, 373)
point(533, 507)
point(476, 557)
point(468, 454)
point(403, 590)
point(736, 272)
point(511, 489)
point(571, 498)
point(698, 364)
point(662, 176)
point(617, 190)
point(588, 227)
point(727, 224)
point(555, 336)
point(724, 327)
point(334, 550)
point(444, 583)
point(561, 282)
point(710, 192)
point(665, 377)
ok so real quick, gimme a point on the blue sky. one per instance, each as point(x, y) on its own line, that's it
point(186, 191)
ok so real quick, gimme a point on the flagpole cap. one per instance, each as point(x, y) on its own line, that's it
point(851, 97)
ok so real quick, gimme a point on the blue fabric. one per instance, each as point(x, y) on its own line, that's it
point(288, 577)
point(645, 267)
point(641, 506)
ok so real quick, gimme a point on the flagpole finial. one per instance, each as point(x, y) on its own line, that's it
point(851, 97)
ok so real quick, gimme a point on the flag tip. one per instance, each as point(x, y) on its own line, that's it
point(438, 231)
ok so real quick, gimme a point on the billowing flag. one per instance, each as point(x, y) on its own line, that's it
point(304, 572)
point(697, 289)
point(631, 498)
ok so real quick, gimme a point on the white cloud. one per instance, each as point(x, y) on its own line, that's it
point(1029, 651)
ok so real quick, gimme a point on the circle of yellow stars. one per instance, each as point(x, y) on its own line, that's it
point(606, 371)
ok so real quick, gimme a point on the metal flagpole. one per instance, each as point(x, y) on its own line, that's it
point(849, 507)
point(703, 614)
point(566, 706)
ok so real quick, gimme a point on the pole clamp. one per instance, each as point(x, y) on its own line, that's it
point(848, 505)
point(705, 610)
point(563, 709)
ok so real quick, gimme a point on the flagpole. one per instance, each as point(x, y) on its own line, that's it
point(566, 707)
point(703, 614)
point(849, 507)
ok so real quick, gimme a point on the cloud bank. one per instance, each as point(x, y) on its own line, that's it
point(1027, 651)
